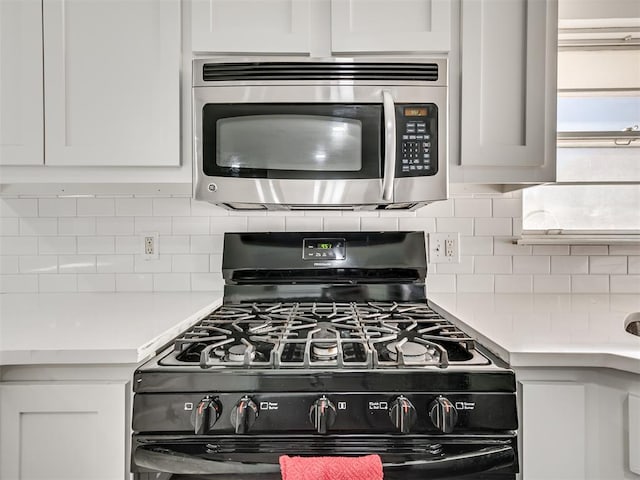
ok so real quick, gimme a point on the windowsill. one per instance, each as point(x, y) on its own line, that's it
point(579, 239)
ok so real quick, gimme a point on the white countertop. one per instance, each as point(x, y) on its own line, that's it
point(549, 330)
point(94, 328)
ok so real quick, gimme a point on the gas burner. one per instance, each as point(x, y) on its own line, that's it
point(237, 352)
point(412, 352)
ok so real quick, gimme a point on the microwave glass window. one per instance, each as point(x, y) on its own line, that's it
point(289, 142)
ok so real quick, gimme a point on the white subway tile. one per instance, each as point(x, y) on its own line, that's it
point(190, 225)
point(397, 213)
point(443, 208)
point(77, 264)
point(342, 224)
point(514, 284)
point(9, 226)
point(57, 207)
point(96, 245)
point(114, 263)
point(472, 207)
point(77, 226)
point(171, 282)
point(589, 250)
point(505, 246)
point(536, 264)
point(590, 283)
point(135, 244)
point(551, 249)
point(624, 283)
point(370, 224)
point(101, 282)
point(266, 224)
point(134, 207)
point(552, 284)
point(59, 245)
point(160, 225)
point(517, 226)
point(570, 264)
point(114, 225)
point(465, 266)
point(9, 264)
point(494, 226)
point(172, 244)
point(190, 263)
point(303, 224)
point(624, 249)
point(18, 207)
point(634, 264)
point(322, 213)
point(228, 224)
point(160, 264)
point(207, 243)
point(464, 226)
point(39, 264)
point(422, 224)
point(255, 213)
point(492, 264)
point(38, 226)
point(507, 207)
point(18, 283)
point(58, 283)
point(441, 284)
point(205, 209)
point(475, 283)
point(206, 282)
point(360, 214)
point(133, 282)
point(215, 263)
point(470, 245)
point(607, 264)
point(171, 207)
point(18, 245)
point(96, 207)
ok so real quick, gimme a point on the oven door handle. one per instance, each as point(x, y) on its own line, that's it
point(169, 461)
point(389, 109)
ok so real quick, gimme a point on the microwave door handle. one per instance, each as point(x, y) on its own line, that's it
point(389, 110)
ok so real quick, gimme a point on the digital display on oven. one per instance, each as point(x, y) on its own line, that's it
point(324, 249)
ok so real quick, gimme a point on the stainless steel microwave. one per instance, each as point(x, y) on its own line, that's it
point(340, 133)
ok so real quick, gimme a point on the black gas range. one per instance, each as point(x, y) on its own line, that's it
point(324, 345)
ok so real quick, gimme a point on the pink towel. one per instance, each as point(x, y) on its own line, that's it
point(331, 468)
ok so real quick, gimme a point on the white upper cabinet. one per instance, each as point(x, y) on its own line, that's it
point(21, 122)
point(112, 82)
point(508, 101)
point(250, 26)
point(390, 26)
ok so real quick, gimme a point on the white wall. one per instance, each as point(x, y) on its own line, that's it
point(50, 244)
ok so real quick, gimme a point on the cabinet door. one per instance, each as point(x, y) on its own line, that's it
point(63, 431)
point(112, 85)
point(385, 26)
point(21, 134)
point(250, 26)
point(553, 430)
point(508, 103)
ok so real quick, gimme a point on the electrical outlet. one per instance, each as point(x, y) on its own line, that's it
point(444, 247)
point(150, 244)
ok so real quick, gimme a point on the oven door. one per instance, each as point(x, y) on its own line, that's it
point(408, 457)
point(308, 145)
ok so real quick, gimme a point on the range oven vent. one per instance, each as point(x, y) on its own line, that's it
point(249, 71)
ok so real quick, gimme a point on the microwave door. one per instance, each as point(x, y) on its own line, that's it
point(388, 178)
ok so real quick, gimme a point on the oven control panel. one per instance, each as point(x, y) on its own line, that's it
point(324, 249)
point(416, 140)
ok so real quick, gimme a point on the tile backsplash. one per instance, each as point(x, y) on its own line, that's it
point(52, 244)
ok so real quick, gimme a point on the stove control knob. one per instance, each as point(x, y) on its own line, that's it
point(244, 414)
point(443, 414)
point(403, 414)
point(322, 414)
point(205, 415)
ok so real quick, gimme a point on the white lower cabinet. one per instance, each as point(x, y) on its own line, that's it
point(576, 424)
point(64, 431)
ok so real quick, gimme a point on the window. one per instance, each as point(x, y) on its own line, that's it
point(597, 194)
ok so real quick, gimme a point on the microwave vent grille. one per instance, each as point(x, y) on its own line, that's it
point(318, 71)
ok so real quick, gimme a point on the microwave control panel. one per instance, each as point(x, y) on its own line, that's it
point(416, 140)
